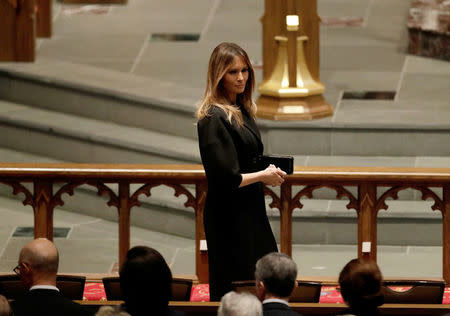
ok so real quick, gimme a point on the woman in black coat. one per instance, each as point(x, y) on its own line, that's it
point(236, 225)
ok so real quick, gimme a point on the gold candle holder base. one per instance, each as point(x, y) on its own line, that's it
point(297, 108)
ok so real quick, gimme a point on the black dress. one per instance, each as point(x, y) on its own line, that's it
point(237, 229)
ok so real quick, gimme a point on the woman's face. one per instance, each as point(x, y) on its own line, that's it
point(235, 78)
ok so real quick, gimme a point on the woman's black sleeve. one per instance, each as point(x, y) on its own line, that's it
point(218, 152)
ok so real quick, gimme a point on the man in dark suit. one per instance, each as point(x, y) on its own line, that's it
point(276, 278)
point(38, 266)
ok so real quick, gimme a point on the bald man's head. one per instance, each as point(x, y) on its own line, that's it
point(42, 255)
point(5, 308)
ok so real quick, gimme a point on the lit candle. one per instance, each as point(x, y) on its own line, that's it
point(292, 22)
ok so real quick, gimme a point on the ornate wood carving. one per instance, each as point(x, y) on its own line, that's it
point(340, 191)
point(179, 190)
point(43, 211)
point(367, 219)
point(367, 200)
point(105, 190)
point(67, 188)
point(426, 194)
point(19, 188)
point(275, 199)
point(42, 196)
point(145, 189)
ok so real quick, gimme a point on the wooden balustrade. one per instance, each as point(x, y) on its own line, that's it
point(366, 203)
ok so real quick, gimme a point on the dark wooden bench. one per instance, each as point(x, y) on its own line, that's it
point(210, 308)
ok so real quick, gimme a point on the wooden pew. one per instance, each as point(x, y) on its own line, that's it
point(312, 309)
point(17, 30)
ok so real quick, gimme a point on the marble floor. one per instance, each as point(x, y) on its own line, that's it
point(370, 55)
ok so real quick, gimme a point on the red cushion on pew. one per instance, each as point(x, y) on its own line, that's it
point(200, 293)
point(94, 292)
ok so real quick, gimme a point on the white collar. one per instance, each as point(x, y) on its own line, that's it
point(275, 300)
point(44, 287)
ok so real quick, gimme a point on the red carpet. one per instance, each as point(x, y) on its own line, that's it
point(200, 293)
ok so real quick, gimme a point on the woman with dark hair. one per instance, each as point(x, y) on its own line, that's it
point(237, 229)
point(360, 282)
point(146, 283)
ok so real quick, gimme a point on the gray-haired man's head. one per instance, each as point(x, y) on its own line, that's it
point(239, 304)
point(278, 274)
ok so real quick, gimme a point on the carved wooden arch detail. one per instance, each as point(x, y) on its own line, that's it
point(179, 190)
point(426, 194)
point(69, 188)
point(19, 188)
point(276, 202)
point(340, 193)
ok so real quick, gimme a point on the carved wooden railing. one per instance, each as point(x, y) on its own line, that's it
point(366, 204)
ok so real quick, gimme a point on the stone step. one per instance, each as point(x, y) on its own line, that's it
point(101, 94)
point(79, 139)
point(400, 127)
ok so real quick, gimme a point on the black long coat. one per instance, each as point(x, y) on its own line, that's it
point(237, 229)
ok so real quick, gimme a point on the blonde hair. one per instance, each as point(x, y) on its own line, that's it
point(220, 62)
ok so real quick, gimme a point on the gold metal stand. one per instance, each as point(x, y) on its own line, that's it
point(291, 89)
point(278, 83)
point(284, 109)
point(300, 100)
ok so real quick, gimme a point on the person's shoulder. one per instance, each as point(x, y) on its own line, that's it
point(214, 114)
point(216, 111)
point(274, 309)
point(55, 303)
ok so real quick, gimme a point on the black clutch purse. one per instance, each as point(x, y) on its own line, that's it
point(285, 163)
